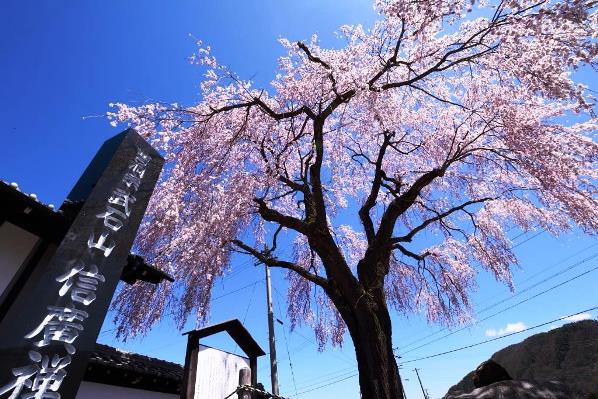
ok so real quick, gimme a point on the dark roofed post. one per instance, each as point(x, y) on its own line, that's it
point(190, 369)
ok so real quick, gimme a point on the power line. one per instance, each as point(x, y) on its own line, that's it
point(530, 328)
point(549, 289)
point(544, 270)
point(514, 246)
point(311, 341)
point(520, 292)
point(247, 310)
point(467, 346)
point(222, 279)
point(326, 385)
point(337, 355)
point(237, 290)
point(170, 314)
point(249, 302)
point(242, 269)
point(541, 282)
point(504, 336)
point(497, 338)
point(510, 307)
point(310, 382)
point(213, 299)
point(527, 239)
point(286, 344)
point(505, 309)
point(324, 381)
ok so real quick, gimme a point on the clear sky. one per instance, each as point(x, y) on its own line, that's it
point(63, 62)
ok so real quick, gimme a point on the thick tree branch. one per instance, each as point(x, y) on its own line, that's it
point(270, 261)
point(312, 57)
point(393, 60)
point(315, 171)
point(403, 202)
point(439, 216)
point(319, 236)
point(370, 202)
point(272, 215)
point(265, 108)
point(473, 42)
point(410, 254)
point(320, 61)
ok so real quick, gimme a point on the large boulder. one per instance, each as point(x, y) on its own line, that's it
point(488, 373)
point(568, 354)
point(519, 390)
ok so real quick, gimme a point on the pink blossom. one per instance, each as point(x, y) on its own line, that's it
point(432, 121)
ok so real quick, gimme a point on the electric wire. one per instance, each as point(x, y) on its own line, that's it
point(309, 382)
point(247, 310)
point(328, 384)
point(320, 381)
point(302, 347)
point(236, 290)
point(497, 338)
point(518, 293)
point(241, 269)
point(528, 239)
point(463, 347)
point(286, 344)
point(545, 270)
point(514, 295)
point(512, 247)
point(249, 302)
point(213, 299)
point(530, 287)
point(337, 355)
point(344, 372)
point(525, 300)
point(505, 309)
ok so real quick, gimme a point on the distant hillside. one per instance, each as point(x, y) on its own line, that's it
point(568, 354)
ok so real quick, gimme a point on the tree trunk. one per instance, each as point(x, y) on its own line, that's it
point(370, 328)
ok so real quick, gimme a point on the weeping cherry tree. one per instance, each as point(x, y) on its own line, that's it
point(382, 174)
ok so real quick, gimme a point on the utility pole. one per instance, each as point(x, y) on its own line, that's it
point(401, 378)
point(421, 385)
point(273, 365)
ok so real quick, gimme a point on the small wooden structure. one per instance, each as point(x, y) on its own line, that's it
point(237, 332)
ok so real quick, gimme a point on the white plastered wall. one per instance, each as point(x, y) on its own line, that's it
point(15, 245)
point(93, 390)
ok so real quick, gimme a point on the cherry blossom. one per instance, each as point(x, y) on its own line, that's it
point(395, 164)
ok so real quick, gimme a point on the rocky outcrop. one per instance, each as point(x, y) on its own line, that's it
point(520, 390)
point(568, 354)
point(488, 373)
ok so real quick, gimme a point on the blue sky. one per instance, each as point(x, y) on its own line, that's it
point(64, 62)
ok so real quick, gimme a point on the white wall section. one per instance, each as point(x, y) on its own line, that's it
point(217, 373)
point(93, 390)
point(15, 245)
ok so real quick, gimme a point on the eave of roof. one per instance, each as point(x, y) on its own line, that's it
point(110, 366)
point(26, 211)
point(138, 269)
point(237, 332)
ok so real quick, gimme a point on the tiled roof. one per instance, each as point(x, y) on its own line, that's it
point(33, 196)
point(111, 366)
point(27, 212)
